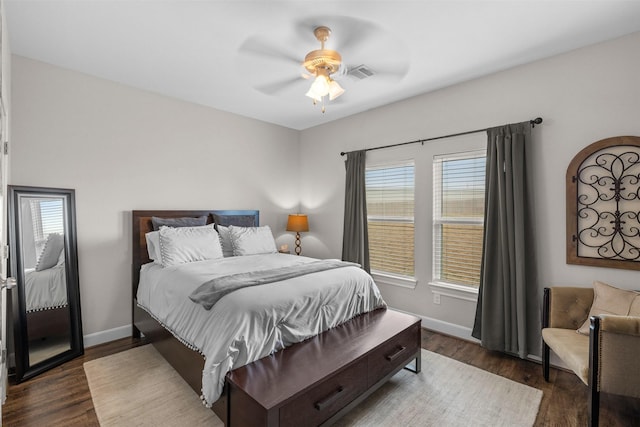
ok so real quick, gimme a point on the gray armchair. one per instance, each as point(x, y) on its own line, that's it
point(608, 360)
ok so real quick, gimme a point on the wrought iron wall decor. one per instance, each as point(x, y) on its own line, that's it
point(603, 204)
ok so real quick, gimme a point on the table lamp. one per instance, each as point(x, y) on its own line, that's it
point(298, 223)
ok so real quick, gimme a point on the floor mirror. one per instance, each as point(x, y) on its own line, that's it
point(43, 259)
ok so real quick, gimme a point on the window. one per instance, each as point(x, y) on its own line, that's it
point(47, 216)
point(458, 216)
point(390, 202)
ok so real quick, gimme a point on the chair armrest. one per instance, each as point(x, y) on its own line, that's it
point(614, 345)
point(624, 325)
point(566, 307)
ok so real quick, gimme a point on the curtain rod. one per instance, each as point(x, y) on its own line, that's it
point(532, 122)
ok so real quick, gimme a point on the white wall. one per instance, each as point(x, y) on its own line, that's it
point(583, 96)
point(123, 149)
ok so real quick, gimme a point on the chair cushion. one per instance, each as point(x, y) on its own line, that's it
point(608, 300)
point(635, 307)
point(572, 348)
point(569, 306)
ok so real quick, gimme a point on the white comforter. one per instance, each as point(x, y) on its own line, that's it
point(253, 322)
point(45, 289)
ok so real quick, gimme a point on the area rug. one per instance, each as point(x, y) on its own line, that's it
point(139, 388)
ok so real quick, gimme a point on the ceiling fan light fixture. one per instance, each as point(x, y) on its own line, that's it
point(313, 95)
point(335, 90)
point(320, 86)
point(322, 63)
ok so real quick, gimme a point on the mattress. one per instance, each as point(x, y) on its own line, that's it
point(252, 322)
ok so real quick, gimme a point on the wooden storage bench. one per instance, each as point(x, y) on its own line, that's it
point(319, 380)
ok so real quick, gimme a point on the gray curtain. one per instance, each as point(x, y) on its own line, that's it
point(500, 322)
point(355, 237)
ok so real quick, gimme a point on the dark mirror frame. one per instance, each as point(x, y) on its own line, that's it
point(24, 370)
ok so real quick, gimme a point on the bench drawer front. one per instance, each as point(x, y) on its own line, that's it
point(324, 400)
point(389, 355)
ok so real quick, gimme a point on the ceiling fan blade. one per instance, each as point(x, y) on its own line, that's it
point(354, 36)
point(346, 32)
point(398, 70)
point(278, 86)
point(256, 46)
point(395, 70)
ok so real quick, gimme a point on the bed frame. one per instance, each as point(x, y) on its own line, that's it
point(53, 322)
point(374, 343)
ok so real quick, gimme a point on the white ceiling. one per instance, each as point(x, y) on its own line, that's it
point(244, 56)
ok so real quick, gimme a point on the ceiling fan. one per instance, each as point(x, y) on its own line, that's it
point(322, 64)
point(272, 61)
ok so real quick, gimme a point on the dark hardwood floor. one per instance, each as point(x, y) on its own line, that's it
point(61, 396)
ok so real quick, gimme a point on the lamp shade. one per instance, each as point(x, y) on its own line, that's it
point(297, 223)
point(319, 88)
point(335, 90)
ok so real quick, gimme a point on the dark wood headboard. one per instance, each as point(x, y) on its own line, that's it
point(141, 224)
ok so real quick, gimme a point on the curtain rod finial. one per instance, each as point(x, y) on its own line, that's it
point(342, 153)
point(535, 121)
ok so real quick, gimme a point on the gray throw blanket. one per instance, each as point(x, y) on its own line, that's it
point(210, 292)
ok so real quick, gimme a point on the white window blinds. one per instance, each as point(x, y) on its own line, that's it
point(390, 217)
point(48, 217)
point(458, 216)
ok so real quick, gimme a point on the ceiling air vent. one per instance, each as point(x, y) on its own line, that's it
point(361, 72)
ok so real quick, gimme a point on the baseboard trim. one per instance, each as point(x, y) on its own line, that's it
point(443, 327)
point(102, 337)
point(436, 325)
point(464, 333)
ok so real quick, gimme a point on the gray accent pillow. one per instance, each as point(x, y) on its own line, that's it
point(178, 222)
point(51, 252)
point(225, 240)
point(237, 220)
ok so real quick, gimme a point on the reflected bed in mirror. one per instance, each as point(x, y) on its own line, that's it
point(46, 303)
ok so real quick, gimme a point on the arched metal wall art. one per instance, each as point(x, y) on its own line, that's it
point(603, 204)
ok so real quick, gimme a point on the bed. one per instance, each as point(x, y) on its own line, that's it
point(45, 289)
point(46, 298)
point(244, 382)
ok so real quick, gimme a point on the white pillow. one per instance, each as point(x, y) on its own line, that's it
point(225, 241)
point(51, 252)
point(61, 258)
point(188, 244)
point(252, 240)
point(153, 246)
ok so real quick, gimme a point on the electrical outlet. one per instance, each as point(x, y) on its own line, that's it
point(436, 298)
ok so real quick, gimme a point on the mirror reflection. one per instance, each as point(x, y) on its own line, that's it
point(43, 253)
point(46, 301)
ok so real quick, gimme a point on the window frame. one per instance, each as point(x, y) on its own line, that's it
point(387, 277)
point(438, 285)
